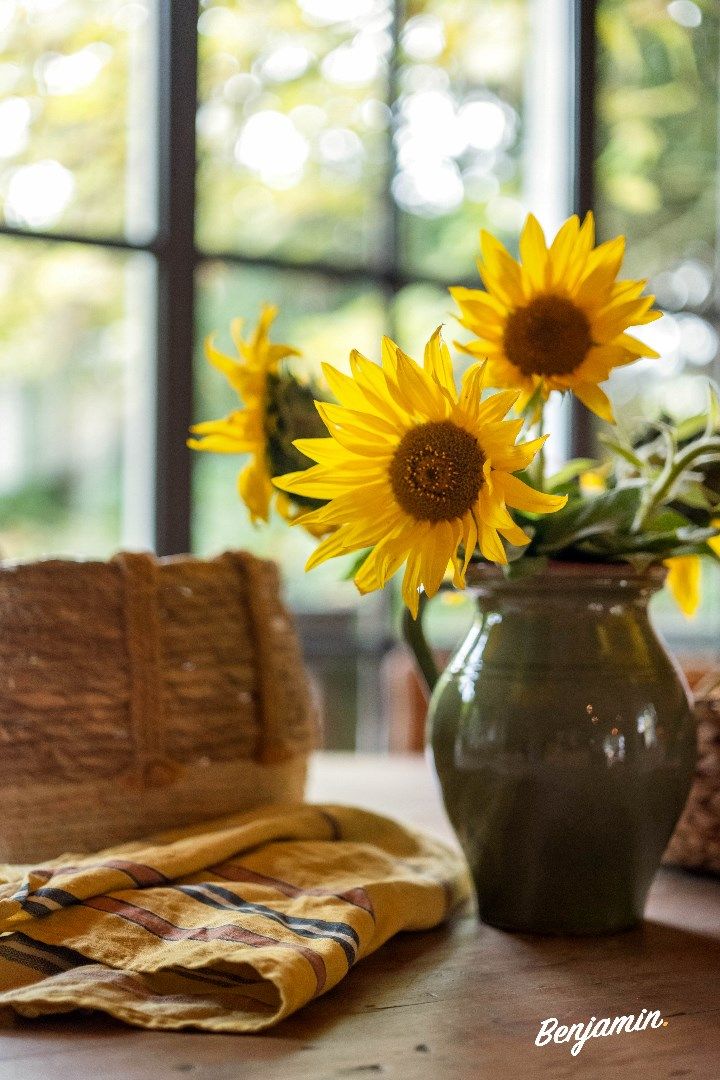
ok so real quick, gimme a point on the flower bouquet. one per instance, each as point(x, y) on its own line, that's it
point(561, 731)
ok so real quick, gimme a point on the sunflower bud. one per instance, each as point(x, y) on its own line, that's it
point(290, 415)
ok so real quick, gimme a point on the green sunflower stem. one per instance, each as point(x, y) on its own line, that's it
point(537, 466)
point(661, 490)
point(415, 639)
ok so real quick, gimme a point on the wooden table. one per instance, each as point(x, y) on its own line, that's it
point(463, 1002)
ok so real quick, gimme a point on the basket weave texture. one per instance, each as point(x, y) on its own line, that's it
point(695, 844)
point(143, 694)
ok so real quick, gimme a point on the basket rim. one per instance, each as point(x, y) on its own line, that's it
point(80, 562)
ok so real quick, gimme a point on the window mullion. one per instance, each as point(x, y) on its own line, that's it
point(177, 105)
point(582, 426)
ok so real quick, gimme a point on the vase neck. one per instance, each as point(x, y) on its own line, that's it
point(585, 586)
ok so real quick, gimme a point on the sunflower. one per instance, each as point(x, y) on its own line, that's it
point(556, 320)
point(276, 407)
point(415, 472)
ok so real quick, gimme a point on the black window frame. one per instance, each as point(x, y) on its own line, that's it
point(177, 256)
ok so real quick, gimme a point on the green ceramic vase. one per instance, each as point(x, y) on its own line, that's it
point(563, 739)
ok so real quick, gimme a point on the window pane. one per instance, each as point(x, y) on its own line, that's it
point(323, 319)
point(75, 380)
point(292, 127)
point(417, 310)
point(76, 106)
point(657, 109)
point(657, 179)
point(459, 129)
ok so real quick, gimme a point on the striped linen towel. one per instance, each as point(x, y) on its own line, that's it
point(227, 926)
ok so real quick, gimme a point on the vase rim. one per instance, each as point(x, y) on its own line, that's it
point(584, 574)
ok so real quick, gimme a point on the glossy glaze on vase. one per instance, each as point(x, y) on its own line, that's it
point(563, 739)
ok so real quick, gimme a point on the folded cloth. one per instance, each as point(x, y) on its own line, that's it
point(227, 926)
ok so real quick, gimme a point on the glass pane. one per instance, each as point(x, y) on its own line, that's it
point(76, 107)
point(323, 319)
point(657, 110)
point(458, 139)
point(292, 127)
point(417, 310)
point(657, 183)
point(75, 400)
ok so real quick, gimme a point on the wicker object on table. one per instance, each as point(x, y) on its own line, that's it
point(695, 844)
point(143, 694)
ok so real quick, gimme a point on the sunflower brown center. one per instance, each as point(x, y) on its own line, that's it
point(549, 336)
point(436, 471)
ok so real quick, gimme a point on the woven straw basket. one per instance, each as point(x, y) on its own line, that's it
point(695, 844)
point(143, 694)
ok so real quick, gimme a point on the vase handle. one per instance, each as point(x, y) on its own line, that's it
point(415, 639)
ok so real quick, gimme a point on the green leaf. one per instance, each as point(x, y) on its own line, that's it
point(668, 549)
point(667, 520)
point(689, 429)
point(698, 497)
point(609, 511)
point(569, 472)
point(668, 534)
point(623, 450)
point(713, 409)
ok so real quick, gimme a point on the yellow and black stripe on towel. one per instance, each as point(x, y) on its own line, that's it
point(229, 926)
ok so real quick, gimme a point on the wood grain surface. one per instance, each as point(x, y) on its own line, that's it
point(463, 1002)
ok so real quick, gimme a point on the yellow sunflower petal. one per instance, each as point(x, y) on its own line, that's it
point(500, 273)
point(345, 389)
point(255, 488)
point(473, 384)
point(497, 405)
point(385, 559)
point(517, 458)
point(616, 318)
point(683, 581)
point(327, 482)
point(594, 399)
point(562, 248)
point(714, 542)
point(365, 423)
point(534, 255)
point(491, 545)
point(388, 357)
point(412, 581)
point(439, 545)
point(514, 535)
point(412, 385)
point(268, 314)
point(520, 495)
point(323, 451)
point(469, 538)
point(372, 381)
point(637, 348)
point(438, 363)
point(230, 368)
point(601, 272)
point(480, 305)
point(222, 444)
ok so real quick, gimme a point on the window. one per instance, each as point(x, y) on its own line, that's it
point(165, 166)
